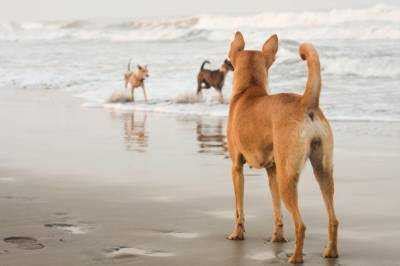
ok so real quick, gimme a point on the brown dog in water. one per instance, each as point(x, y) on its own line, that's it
point(213, 78)
point(279, 133)
point(135, 79)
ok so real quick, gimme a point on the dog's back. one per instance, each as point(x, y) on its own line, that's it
point(294, 115)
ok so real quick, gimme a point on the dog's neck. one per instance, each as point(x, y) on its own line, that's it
point(138, 75)
point(223, 70)
point(250, 79)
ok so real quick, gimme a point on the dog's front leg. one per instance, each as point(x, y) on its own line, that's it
point(238, 184)
point(221, 97)
point(277, 234)
point(132, 95)
point(144, 93)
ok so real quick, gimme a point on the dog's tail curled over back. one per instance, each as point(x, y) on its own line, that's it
point(202, 65)
point(310, 97)
point(129, 65)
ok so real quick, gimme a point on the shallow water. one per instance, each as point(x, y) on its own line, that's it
point(358, 50)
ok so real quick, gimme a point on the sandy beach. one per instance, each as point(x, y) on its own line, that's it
point(93, 186)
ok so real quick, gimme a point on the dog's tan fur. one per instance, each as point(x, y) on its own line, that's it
point(279, 133)
point(135, 79)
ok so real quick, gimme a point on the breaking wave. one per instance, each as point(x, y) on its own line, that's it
point(377, 22)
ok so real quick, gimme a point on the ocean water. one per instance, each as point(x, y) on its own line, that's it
point(359, 53)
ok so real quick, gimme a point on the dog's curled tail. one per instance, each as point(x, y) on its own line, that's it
point(310, 97)
point(202, 65)
point(129, 65)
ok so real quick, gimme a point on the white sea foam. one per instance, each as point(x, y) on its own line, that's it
point(377, 22)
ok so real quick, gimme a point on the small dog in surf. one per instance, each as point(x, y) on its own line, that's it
point(279, 132)
point(213, 78)
point(135, 79)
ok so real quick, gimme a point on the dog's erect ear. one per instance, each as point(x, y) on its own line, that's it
point(229, 64)
point(237, 45)
point(270, 48)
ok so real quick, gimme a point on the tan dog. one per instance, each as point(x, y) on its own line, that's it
point(279, 133)
point(135, 79)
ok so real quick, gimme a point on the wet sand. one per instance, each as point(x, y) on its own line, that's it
point(93, 187)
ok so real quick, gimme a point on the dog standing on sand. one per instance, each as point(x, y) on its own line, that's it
point(213, 78)
point(135, 79)
point(279, 133)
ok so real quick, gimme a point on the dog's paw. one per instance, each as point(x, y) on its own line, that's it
point(330, 252)
point(278, 239)
point(295, 259)
point(238, 233)
point(235, 236)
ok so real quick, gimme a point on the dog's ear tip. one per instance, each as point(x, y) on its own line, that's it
point(274, 37)
point(239, 35)
point(272, 41)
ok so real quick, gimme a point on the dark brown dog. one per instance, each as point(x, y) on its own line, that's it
point(213, 78)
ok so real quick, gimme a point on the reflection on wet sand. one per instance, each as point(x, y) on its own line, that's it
point(135, 134)
point(211, 136)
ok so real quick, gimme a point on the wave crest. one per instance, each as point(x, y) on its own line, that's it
point(377, 22)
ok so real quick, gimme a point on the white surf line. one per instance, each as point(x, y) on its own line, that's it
point(139, 252)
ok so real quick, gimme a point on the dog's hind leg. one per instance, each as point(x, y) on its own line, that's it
point(238, 184)
point(199, 85)
point(277, 235)
point(321, 161)
point(289, 160)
